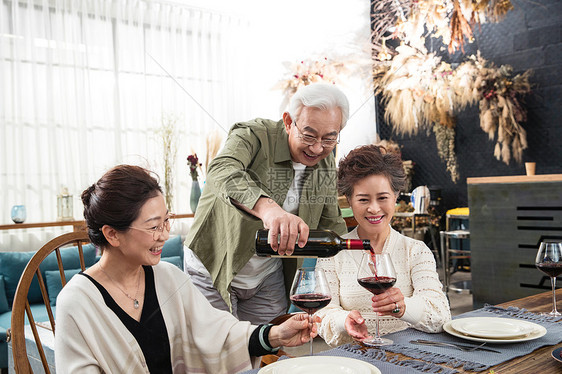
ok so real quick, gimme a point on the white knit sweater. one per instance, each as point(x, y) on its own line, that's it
point(427, 308)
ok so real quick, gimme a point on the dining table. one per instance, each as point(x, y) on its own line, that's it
point(532, 355)
point(540, 360)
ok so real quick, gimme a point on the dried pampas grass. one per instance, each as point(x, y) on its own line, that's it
point(213, 143)
point(422, 92)
point(452, 20)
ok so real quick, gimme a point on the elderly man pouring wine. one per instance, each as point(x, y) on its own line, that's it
point(274, 174)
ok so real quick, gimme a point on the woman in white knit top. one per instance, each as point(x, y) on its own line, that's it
point(371, 179)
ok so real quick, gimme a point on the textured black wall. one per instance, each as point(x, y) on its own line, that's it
point(530, 37)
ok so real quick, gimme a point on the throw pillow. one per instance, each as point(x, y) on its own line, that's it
point(53, 282)
point(173, 247)
point(4, 306)
point(12, 265)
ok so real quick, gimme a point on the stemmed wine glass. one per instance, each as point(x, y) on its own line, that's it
point(310, 292)
point(549, 261)
point(376, 273)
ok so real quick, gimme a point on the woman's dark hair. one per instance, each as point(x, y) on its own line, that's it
point(116, 200)
point(366, 161)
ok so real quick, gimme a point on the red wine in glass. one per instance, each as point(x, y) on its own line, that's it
point(311, 303)
point(550, 269)
point(310, 292)
point(549, 261)
point(376, 274)
point(377, 285)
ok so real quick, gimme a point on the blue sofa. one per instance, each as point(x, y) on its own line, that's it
point(12, 265)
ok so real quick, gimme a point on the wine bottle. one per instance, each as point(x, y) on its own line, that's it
point(321, 243)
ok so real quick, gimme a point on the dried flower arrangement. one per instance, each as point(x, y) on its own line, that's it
point(169, 137)
point(416, 89)
point(452, 20)
point(421, 92)
point(499, 95)
point(312, 70)
point(213, 142)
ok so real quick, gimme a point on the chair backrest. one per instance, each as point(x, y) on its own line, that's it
point(21, 304)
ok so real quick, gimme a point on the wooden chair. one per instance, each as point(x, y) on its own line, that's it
point(21, 304)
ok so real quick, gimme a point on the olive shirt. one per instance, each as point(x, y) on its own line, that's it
point(255, 162)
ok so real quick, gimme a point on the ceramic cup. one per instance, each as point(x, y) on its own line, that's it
point(18, 213)
point(530, 168)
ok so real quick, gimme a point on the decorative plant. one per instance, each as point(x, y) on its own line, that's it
point(451, 20)
point(213, 142)
point(501, 111)
point(416, 89)
point(308, 71)
point(169, 137)
point(421, 92)
point(193, 163)
point(445, 139)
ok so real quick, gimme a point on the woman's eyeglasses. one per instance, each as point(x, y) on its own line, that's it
point(156, 231)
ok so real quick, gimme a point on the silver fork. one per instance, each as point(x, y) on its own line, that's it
point(462, 347)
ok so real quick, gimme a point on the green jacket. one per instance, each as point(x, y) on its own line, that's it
point(255, 162)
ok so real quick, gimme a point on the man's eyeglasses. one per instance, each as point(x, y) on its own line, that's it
point(312, 140)
point(156, 231)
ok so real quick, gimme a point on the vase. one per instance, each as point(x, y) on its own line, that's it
point(19, 213)
point(195, 195)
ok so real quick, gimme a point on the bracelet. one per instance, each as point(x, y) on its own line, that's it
point(264, 338)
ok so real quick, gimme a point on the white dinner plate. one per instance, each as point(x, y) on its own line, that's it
point(493, 327)
point(320, 365)
point(535, 334)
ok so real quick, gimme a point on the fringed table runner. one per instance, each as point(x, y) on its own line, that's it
point(477, 360)
point(378, 358)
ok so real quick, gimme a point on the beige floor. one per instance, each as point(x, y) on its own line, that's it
point(459, 302)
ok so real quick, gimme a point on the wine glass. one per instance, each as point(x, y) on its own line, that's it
point(376, 273)
point(310, 292)
point(549, 261)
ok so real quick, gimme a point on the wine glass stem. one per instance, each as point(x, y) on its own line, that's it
point(553, 283)
point(378, 336)
point(311, 340)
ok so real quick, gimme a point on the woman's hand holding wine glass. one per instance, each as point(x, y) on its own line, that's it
point(310, 292)
point(376, 273)
point(389, 303)
point(293, 332)
point(549, 261)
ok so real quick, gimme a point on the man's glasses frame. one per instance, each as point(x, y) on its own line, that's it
point(157, 230)
point(312, 140)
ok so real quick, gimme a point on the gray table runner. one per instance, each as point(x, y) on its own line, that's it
point(477, 360)
point(378, 358)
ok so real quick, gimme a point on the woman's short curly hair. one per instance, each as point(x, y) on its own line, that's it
point(366, 161)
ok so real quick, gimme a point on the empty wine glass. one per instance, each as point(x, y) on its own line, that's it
point(376, 273)
point(310, 292)
point(549, 261)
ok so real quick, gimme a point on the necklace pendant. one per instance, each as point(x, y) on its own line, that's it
point(136, 304)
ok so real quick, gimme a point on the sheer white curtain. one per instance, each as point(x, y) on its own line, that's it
point(84, 86)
